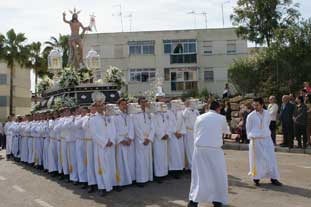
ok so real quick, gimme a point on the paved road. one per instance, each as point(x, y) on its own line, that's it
point(27, 187)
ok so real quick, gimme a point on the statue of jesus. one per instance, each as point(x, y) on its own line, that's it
point(75, 40)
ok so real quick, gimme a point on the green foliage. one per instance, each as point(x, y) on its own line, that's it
point(279, 69)
point(258, 20)
point(69, 78)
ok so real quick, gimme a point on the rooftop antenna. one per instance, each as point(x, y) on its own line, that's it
point(222, 11)
point(130, 16)
point(120, 14)
point(195, 18)
point(205, 18)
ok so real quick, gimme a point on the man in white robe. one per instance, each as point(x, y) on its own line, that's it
point(30, 141)
point(103, 132)
point(262, 159)
point(69, 133)
point(176, 150)
point(24, 139)
point(209, 182)
point(91, 176)
point(52, 148)
point(160, 147)
point(144, 135)
point(46, 141)
point(62, 145)
point(125, 151)
point(81, 146)
point(189, 114)
point(36, 132)
point(15, 138)
point(9, 133)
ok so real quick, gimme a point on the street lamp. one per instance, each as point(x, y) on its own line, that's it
point(222, 11)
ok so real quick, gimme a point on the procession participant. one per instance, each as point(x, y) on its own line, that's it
point(30, 140)
point(189, 114)
point(144, 134)
point(52, 148)
point(62, 149)
point(160, 148)
point(81, 146)
point(8, 132)
point(58, 135)
point(261, 149)
point(24, 139)
point(91, 177)
point(177, 130)
point(37, 142)
point(69, 133)
point(103, 133)
point(209, 182)
point(46, 141)
point(16, 138)
point(125, 151)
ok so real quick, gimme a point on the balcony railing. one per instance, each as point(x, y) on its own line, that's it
point(183, 58)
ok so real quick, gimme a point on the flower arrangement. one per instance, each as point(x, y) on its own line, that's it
point(58, 103)
point(44, 84)
point(85, 75)
point(114, 75)
point(69, 102)
point(69, 78)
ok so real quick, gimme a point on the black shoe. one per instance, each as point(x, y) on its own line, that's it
point(91, 189)
point(192, 204)
point(84, 186)
point(118, 188)
point(276, 182)
point(102, 193)
point(75, 183)
point(158, 180)
point(217, 204)
point(257, 182)
point(140, 185)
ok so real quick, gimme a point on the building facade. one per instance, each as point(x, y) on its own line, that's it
point(21, 91)
point(186, 60)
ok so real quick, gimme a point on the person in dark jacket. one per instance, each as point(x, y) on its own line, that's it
point(300, 120)
point(286, 118)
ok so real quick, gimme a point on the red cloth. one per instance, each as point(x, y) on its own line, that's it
point(308, 89)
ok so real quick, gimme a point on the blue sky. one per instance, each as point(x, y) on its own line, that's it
point(40, 19)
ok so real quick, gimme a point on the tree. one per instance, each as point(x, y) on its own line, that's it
point(62, 42)
point(37, 62)
point(14, 51)
point(258, 20)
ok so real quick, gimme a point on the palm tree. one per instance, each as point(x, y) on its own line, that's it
point(37, 62)
point(14, 51)
point(62, 42)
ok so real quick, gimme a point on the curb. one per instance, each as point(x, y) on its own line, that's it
point(244, 147)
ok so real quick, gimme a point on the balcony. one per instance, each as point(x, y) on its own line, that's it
point(183, 58)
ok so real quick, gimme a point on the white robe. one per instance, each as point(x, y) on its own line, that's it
point(46, 142)
point(15, 139)
point(102, 129)
point(30, 142)
point(125, 155)
point(81, 148)
point(189, 116)
point(176, 146)
point(69, 132)
point(37, 143)
point(62, 147)
point(160, 148)
point(262, 159)
point(24, 144)
point(91, 176)
point(52, 148)
point(8, 132)
point(209, 182)
point(143, 128)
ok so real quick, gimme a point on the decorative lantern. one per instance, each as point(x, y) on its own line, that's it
point(93, 60)
point(55, 60)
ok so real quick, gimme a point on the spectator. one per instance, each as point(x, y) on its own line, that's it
point(273, 109)
point(307, 87)
point(2, 138)
point(226, 93)
point(300, 120)
point(228, 112)
point(292, 98)
point(239, 128)
point(308, 104)
point(286, 118)
point(248, 109)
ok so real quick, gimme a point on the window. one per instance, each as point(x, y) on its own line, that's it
point(208, 47)
point(3, 101)
point(231, 47)
point(182, 78)
point(180, 46)
point(142, 75)
point(141, 47)
point(209, 74)
point(3, 79)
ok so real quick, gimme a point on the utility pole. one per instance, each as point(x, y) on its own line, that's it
point(120, 14)
point(130, 16)
point(222, 12)
point(205, 18)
